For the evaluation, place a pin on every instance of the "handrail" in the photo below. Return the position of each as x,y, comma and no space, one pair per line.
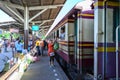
117,52
7,74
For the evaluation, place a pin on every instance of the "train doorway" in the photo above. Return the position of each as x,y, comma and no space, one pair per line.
76,42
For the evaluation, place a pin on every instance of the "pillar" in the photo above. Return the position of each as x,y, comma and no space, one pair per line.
26,27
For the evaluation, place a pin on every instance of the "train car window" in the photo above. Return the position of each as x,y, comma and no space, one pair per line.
57,33
54,35
63,28
116,22
62,34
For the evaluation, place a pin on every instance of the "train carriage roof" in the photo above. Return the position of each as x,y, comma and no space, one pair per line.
69,6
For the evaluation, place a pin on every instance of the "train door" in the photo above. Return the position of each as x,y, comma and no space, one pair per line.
75,43
57,34
116,38
104,41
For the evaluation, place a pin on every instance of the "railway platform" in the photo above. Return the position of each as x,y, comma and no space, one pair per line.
41,70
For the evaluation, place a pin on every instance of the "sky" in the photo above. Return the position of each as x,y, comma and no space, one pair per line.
5,17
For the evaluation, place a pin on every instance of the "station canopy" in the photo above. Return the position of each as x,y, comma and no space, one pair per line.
41,12
68,6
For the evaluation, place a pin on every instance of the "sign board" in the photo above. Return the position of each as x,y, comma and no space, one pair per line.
35,27
14,30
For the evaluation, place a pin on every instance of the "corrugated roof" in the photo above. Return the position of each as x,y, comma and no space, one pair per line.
69,6
49,14
64,11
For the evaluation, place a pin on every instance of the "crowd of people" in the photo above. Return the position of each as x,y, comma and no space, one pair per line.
50,46
41,46
35,48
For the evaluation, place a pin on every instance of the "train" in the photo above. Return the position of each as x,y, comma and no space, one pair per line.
91,47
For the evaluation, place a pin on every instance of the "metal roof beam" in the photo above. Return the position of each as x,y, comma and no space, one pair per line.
15,13
43,21
8,23
44,7
11,5
45,26
37,15
43,29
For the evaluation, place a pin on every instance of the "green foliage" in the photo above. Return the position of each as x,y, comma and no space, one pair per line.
15,35
6,35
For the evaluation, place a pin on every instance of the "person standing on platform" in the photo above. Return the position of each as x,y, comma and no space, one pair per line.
51,53
16,42
19,47
41,47
5,44
30,45
37,44
45,45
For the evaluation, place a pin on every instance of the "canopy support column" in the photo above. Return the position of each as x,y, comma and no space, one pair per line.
26,27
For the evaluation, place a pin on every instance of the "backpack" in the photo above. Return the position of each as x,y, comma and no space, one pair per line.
56,46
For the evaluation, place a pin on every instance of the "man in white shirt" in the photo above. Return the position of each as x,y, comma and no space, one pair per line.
62,35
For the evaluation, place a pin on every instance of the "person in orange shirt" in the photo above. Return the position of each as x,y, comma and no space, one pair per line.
41,47
51,53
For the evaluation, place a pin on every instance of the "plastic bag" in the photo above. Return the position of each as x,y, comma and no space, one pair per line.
56,46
